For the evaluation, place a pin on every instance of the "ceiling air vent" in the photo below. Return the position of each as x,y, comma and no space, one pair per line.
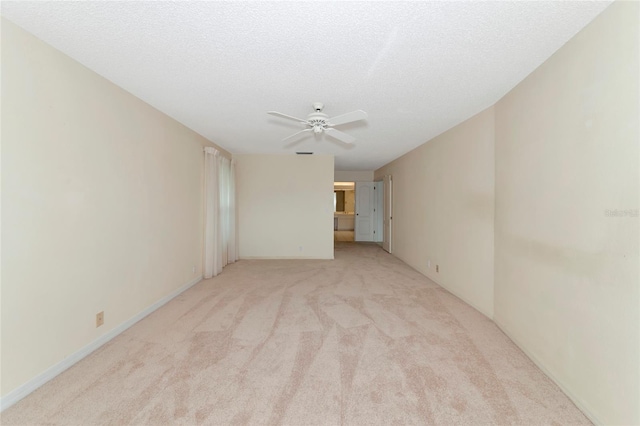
304,153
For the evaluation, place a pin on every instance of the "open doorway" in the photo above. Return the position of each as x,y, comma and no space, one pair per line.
344,206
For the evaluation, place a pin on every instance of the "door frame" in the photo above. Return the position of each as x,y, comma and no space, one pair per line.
388,213
378,189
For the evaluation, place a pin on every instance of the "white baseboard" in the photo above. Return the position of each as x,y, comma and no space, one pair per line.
285,258
452,291
577,401
33,384
459,296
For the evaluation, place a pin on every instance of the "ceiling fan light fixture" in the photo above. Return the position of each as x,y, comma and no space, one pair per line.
319,122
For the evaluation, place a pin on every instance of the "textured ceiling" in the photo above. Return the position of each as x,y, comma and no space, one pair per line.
417,68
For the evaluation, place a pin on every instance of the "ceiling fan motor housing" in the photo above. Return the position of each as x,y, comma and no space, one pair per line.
317,121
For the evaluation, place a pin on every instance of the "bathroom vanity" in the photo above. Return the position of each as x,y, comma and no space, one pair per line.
343,221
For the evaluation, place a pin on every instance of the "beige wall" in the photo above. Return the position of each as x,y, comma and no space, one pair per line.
101,206
443,209
285,205
353,176
567,270
567,275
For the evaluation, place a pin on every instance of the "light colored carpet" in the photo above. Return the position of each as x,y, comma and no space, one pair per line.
361,340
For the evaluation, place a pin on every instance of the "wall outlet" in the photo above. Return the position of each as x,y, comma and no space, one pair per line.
428,264
99,319
437,268
300,249
193,269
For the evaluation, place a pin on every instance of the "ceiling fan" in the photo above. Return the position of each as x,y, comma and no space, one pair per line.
319,122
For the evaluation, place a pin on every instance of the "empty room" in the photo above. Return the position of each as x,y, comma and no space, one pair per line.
320,213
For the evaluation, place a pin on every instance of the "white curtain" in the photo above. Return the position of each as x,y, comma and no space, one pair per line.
220,246
212,235
233,230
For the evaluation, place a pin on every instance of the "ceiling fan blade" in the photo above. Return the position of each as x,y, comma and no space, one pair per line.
347,118
279,114
296,134
339,135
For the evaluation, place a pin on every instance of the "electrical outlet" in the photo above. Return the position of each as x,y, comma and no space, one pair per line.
300,248
99,319
437,268
428,264
193,269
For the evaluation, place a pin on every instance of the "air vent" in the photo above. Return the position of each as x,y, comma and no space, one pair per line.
304,153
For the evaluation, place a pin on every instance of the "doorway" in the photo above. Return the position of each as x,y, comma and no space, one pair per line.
344,199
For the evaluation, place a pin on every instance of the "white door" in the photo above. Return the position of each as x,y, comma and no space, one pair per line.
364,211
378,216
388,213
